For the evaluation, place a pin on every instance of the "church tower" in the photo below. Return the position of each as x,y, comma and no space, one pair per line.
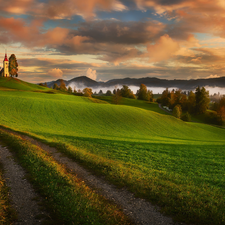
6,67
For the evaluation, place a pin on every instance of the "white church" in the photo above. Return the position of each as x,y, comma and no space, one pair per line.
5,70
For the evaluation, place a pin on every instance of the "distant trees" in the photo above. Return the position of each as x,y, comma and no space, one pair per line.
13,66
69,90
177,111
220,110
43,85
87,92
108,93
191,102
116,98
144,94
202,100
55,86
61,87
126,92
197,102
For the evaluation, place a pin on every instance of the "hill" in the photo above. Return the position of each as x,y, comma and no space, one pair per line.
16,84
178,165
83,81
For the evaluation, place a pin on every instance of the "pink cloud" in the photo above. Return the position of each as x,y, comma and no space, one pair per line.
163,49
56,73
91,74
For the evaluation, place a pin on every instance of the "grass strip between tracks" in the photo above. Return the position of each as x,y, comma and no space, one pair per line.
67,198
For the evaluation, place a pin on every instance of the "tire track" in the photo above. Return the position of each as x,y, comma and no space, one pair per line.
139,210
22,194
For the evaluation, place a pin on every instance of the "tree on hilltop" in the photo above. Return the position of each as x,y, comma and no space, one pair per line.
13,66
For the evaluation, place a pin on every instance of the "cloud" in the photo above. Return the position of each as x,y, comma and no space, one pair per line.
213,76
163,49
91,74
17,6
56,73
57,9
108,31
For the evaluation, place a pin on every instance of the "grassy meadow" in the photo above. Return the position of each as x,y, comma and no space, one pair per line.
177,165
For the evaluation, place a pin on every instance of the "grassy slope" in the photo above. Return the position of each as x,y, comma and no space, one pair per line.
67,198
16,84
135,103
50,115
158,156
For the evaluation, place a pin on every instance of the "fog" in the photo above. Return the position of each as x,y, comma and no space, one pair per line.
155,90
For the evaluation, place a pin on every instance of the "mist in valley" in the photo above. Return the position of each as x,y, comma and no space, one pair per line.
155,90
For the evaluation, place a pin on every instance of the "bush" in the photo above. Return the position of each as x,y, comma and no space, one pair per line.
213,118
177,111
186,117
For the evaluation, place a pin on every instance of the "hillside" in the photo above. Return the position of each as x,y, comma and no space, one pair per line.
14,83
156,156
79,117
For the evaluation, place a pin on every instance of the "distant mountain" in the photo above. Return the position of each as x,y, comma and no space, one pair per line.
79,82
83,81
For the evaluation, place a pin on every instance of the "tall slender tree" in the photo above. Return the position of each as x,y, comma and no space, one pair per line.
202,100
13,66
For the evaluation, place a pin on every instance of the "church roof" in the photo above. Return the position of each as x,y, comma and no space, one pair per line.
5,58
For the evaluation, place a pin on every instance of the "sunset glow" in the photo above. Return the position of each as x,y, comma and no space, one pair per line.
172,39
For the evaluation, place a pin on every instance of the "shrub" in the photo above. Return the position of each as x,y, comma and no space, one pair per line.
177,111
186,117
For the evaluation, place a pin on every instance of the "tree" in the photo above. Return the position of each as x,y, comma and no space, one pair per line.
87,92
13,66
144,94
100,92
177,111
62,86
221,110
70,90
149,96
108,93
186,117
126,92
55,86
117,97
202,100
191,102
165,98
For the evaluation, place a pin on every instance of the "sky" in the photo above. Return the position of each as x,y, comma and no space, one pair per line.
111,39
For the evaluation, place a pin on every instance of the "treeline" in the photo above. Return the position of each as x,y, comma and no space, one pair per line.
87,92
194,103
182,104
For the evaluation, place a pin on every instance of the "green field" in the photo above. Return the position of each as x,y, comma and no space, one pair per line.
178,165
153,106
